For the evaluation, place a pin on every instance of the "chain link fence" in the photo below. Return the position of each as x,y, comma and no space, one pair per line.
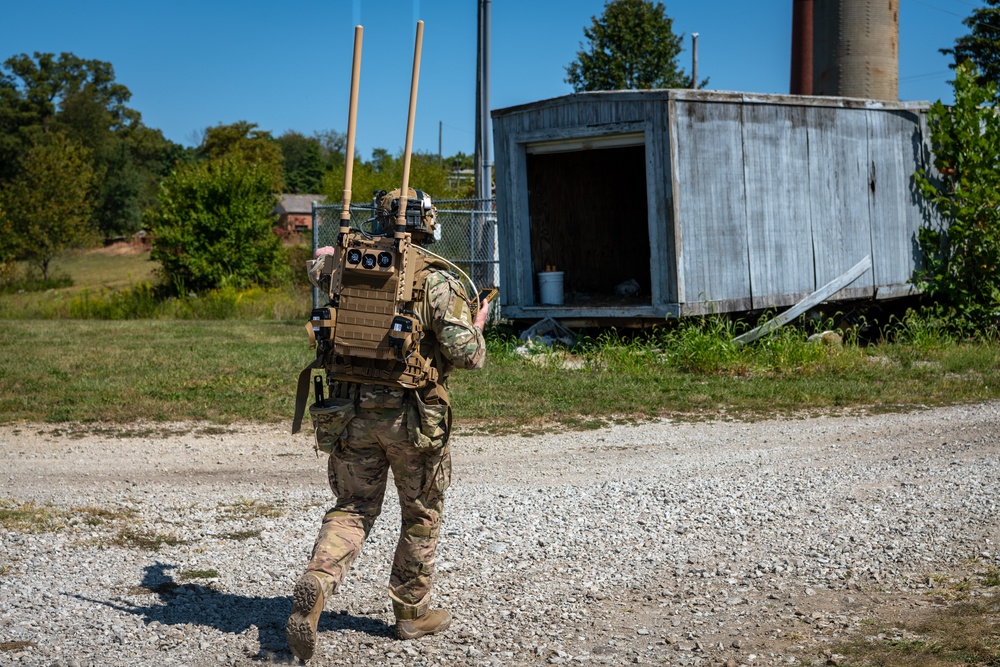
468,235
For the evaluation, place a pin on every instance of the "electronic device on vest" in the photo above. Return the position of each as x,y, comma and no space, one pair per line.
370,330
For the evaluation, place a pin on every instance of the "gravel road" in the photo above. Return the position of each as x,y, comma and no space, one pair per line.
710,543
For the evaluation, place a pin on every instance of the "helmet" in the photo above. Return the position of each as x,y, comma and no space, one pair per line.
421,215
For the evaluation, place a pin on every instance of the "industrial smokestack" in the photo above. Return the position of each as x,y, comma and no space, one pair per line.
802,47
856,48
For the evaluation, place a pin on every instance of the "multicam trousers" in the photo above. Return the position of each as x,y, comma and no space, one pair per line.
377,440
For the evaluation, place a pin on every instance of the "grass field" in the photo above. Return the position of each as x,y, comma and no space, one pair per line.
113,267
235,370
185,360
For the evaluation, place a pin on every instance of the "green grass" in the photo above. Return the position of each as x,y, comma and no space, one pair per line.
244,509
92,353
132,537
106,284
236,370
31,517
188,575
123,371
963,633
694,372
105,269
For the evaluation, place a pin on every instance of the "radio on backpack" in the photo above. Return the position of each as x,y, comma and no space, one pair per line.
371,331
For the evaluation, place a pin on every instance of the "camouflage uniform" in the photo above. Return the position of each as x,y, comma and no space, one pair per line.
385,433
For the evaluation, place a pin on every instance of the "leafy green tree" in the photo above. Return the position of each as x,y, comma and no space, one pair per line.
632,46
385,172
8,248
963,253
117,203
244,141
215,227
982,45
303,162
332,145
48,203
153,158
43,93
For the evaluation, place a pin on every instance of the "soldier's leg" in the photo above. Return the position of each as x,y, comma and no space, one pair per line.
357,471
421,478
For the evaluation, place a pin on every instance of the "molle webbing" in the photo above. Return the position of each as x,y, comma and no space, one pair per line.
390,373
376,335
364,316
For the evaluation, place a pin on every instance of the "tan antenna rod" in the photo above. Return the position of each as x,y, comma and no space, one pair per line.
401,217
352,121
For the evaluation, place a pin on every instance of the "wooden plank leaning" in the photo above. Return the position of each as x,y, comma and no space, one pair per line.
817,297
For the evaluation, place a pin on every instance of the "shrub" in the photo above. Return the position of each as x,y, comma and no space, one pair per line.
963,253
214,227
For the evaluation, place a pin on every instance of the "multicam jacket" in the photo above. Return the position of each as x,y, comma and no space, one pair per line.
445,312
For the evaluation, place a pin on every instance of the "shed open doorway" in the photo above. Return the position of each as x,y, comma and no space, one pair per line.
589,218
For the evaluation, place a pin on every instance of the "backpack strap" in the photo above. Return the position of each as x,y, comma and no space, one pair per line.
302,393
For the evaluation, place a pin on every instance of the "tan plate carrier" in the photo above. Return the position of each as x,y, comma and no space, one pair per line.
371,332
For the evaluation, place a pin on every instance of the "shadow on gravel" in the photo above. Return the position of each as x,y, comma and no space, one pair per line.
180,604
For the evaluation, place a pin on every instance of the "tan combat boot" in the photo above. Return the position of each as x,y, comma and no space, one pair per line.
434,620
308,601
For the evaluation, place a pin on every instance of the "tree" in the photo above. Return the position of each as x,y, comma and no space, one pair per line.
632,46
47,204
332,146
245,142
385,172
215,227
982,45
43,93
303,162
963,255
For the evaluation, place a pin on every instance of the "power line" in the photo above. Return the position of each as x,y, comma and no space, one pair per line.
922,77
945,11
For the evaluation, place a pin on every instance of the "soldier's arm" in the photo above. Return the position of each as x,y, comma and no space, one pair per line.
461,341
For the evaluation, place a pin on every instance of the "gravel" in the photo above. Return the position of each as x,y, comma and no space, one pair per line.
713,543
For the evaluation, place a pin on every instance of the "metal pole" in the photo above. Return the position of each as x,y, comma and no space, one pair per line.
408,148
694,60
315,240
481,236
487,157
352,122
440,134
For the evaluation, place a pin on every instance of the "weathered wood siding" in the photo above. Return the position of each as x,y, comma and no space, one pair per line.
894,144
839,216
754,201
711,206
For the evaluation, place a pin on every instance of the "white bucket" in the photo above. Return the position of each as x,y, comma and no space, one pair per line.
550,287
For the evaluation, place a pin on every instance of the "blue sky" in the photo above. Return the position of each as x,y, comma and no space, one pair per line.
191,64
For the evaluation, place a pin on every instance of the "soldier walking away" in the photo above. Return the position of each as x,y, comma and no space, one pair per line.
373,420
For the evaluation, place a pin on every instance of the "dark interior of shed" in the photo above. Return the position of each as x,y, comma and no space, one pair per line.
589,220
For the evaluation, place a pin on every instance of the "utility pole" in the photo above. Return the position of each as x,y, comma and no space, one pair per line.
694,60
483,162
483,238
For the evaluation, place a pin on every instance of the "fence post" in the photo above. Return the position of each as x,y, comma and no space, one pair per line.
315,246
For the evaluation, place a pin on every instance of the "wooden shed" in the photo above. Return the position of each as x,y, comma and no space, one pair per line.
708,201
